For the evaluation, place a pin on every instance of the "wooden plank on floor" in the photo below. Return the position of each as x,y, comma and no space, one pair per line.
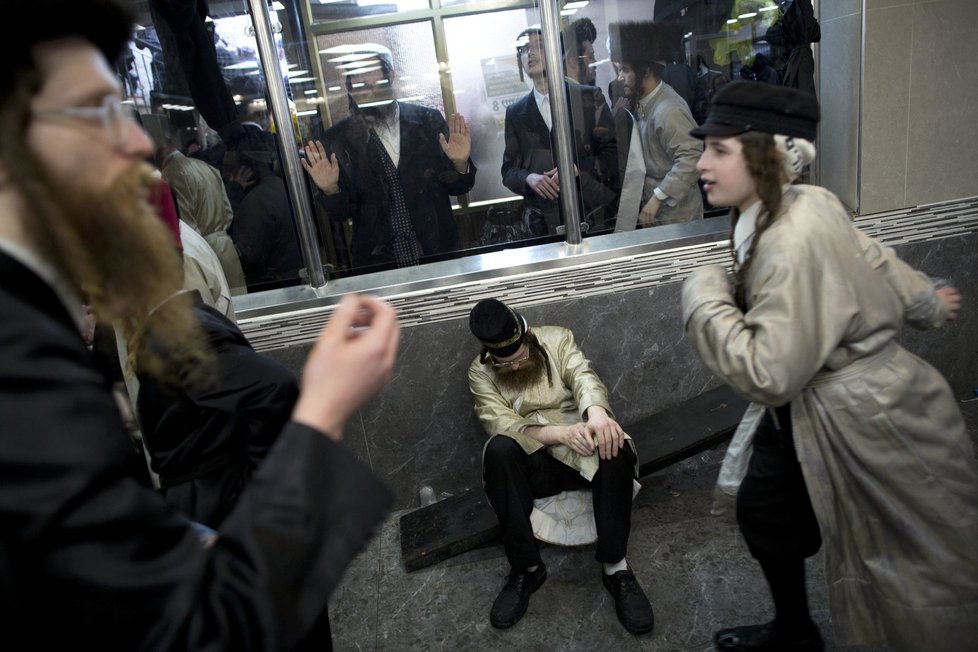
465,522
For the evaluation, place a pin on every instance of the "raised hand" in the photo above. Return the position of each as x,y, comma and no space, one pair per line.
353,358
458,145
323,170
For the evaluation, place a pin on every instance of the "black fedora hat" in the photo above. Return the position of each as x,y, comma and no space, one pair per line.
743,106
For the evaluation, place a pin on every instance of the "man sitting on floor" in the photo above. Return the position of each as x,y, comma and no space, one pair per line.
551,430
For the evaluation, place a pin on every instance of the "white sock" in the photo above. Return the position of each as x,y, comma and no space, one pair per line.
611,569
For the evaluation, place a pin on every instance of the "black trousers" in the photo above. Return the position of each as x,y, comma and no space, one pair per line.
513,479
774,510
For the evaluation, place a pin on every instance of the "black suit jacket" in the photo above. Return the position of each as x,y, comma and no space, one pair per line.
205,443
528,150
427,178
84,544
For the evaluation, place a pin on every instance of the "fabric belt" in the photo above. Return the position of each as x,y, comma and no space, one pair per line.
855,368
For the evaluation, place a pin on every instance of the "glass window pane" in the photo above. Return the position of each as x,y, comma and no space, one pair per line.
333,10
199,91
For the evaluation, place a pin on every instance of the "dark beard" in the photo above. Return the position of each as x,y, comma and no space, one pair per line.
111,245
529,373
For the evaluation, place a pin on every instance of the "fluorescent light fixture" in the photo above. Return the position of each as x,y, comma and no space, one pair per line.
771,8
312,92
353,65
296,72
358,85
688,35
312,112
731,21
360,56
747,15
360,71
301,80
333,89
382,81
367,105
580,4
568,12
599,63
244,65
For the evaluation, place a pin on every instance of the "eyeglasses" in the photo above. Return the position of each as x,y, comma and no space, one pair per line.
111,114
520,360
523,49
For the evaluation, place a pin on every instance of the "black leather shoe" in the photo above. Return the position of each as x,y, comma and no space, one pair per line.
632,606
512,601
765,638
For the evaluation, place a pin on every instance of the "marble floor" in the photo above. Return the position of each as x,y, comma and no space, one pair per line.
693,565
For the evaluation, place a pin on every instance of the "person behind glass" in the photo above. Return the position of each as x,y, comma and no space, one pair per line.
579,59
204,205
856,442
263,230
206,440
391,167
87,554
550,429
670,194
529,167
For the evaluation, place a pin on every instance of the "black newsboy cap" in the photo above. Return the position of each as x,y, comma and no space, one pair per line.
500,328
743,106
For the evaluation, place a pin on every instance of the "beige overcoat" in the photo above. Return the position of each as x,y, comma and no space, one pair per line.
881,442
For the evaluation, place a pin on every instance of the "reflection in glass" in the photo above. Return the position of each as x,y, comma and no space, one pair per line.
330,10
222,105
199,91
388,167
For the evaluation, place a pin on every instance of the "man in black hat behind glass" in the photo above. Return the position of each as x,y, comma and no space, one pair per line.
551,430
670,193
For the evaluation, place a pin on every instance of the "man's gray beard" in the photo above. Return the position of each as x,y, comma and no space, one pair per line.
529,373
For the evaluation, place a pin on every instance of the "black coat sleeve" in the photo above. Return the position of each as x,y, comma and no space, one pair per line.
107,562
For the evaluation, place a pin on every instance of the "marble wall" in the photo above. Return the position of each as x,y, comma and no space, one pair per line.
903,133
838,69
422,430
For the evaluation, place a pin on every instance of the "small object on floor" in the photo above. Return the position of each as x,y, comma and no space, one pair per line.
631,604
512,601
765,638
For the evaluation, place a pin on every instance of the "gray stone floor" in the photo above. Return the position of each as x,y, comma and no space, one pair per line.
693,565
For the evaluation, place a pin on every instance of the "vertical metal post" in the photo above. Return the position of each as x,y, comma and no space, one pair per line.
293,171
560,111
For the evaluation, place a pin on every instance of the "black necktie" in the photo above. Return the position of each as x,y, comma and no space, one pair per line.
406,247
